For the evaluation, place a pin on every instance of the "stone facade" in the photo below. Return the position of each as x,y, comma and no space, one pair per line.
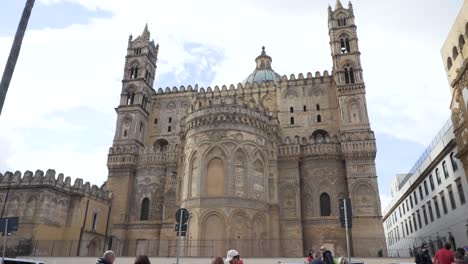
265,160
55,217
260,165
454,52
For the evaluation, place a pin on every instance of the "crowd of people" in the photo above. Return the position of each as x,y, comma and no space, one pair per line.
324,256
442,256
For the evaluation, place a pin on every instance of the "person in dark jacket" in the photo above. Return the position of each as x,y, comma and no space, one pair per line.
327,256
316,259
107,258
423,257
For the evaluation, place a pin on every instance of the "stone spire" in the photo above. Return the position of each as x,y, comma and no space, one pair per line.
146,33
338,4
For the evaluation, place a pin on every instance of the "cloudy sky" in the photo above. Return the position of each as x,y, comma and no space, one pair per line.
59,111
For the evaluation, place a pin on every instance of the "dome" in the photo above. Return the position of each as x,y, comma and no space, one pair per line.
263,71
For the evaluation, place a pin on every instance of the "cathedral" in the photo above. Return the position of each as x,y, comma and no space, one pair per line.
260,165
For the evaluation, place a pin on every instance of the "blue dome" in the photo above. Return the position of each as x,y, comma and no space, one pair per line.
263,72
262,75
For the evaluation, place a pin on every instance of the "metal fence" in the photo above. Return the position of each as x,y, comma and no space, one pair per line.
364,247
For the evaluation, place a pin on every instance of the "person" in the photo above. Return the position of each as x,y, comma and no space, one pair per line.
107,258
423,257
217,260
460,257
326,255
316,258
343,260
444,255
142,260
310,258
232,256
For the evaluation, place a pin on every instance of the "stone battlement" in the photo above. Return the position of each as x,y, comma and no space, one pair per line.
247,88
49,180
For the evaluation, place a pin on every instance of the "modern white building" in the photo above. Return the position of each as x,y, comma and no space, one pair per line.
429,203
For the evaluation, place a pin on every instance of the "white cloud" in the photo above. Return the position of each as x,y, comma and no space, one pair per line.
81,66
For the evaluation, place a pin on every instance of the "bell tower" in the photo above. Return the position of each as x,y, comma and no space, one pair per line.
357,139
133,113
347,68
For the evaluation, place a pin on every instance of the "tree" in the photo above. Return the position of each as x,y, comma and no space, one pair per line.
14,52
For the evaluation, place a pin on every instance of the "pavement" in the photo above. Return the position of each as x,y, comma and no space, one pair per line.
193,260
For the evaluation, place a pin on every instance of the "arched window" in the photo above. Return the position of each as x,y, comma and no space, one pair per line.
144,210
130,98
161,144
349,74
454,53
291,120
291,109
439,181
345,47
133,72
461,42
444,167
453,161
449,63
169,129
319,119
342,21
325,209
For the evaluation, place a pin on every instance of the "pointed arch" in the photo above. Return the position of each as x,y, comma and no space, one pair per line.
194,178
349,74
461,42
325,206
240,172
144,212
449,63
215,177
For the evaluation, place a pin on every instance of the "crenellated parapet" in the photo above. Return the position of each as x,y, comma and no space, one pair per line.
39,179
247,88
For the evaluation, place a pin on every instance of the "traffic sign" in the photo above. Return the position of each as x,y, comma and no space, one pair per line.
181,229
182,215
12,225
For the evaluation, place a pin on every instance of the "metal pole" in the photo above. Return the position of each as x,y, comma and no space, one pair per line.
177,235
346,226
5,239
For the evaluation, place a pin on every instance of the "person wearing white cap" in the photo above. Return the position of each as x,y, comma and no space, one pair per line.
232,256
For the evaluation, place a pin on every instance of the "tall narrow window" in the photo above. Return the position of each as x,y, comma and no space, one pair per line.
460,190
449,63
454,53
349,74
415,198
317,107
141,127
436,207
439,181
420,192
319,119
344,45
170,120
325,209
291,109
130,98
425,188
305,108
429,208
144,210
419,218
410,225
414,222
461,42
399,209
451,198
444,203
431,181
411,201
155,121
95,217
444,167
453,161
291,120
424,214
403,229
169,129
